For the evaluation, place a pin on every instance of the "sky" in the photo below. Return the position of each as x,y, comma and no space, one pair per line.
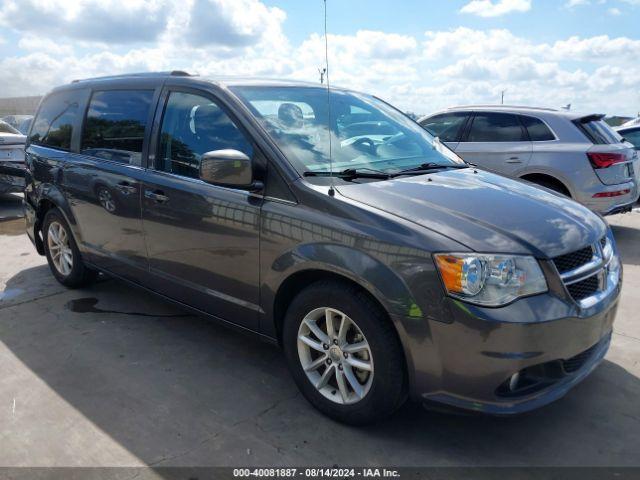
420,55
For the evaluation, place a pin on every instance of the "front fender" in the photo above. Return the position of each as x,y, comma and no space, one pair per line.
383,283
358,266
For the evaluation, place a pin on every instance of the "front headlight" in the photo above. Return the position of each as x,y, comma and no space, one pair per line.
490,280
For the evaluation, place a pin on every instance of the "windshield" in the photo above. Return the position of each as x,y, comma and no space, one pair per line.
366,133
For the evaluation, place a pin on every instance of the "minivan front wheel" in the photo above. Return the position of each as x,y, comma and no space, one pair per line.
62,252
344,353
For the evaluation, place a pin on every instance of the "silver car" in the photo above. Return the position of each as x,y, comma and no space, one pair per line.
577,155
12,167
631,134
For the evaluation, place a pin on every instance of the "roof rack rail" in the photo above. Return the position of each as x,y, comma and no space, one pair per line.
173,73
489,105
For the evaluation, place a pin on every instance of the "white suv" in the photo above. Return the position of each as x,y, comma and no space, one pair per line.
577,155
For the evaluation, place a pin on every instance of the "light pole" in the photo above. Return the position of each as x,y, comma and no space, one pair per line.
502,98
322,71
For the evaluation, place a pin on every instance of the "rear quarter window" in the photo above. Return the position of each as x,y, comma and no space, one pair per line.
56,119
537,129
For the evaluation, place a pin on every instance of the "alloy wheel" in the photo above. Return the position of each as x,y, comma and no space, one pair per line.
335,355
106,200
59,248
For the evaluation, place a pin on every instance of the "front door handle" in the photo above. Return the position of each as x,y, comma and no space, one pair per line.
514,160
157,195
126,187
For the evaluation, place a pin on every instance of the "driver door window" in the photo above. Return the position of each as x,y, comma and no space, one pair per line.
193,125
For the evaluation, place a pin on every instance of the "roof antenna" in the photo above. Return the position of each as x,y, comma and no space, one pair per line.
332,190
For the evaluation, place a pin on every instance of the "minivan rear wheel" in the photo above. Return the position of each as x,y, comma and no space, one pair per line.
344,353
62,252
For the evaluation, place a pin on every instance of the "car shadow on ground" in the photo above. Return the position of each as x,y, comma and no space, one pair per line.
628,240
176,389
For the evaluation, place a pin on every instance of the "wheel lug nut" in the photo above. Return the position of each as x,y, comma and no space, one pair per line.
335,341
346,355
340,367
325,346
328,361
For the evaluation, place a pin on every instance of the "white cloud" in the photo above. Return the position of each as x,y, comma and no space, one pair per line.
420,74
232,23
615,12
598,48
110,21
203,23
465,41
35,43
576,3
495,8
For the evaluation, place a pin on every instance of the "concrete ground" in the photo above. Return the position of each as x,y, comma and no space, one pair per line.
113,376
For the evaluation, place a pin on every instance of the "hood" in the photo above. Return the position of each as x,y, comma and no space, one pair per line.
12,139
485,212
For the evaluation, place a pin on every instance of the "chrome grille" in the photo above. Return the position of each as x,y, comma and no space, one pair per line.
586,274
584,288
573,260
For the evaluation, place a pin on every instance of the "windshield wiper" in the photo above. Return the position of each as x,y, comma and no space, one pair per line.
351,173
426,167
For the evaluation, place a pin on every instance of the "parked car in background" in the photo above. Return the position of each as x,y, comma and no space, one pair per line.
577,155
333,224
15,120
631,134
12,167
25,124
631,123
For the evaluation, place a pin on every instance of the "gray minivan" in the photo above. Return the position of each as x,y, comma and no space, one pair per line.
328,222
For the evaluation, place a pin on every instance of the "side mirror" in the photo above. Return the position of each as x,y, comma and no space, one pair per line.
230,168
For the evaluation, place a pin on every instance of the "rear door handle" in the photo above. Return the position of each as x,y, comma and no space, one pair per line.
157,195
514,160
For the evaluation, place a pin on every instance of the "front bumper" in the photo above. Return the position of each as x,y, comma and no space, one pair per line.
468,361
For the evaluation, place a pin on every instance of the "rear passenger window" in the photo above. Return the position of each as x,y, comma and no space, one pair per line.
115,125
446,126
54,123
496,127
538,131
193,125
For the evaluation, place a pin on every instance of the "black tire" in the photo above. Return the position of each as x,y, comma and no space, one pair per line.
388,389
80,275
555,186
